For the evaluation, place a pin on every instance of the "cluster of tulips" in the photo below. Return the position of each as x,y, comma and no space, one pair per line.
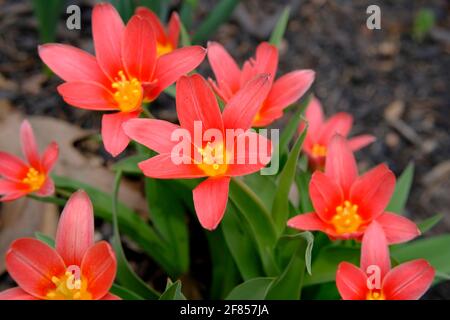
132,66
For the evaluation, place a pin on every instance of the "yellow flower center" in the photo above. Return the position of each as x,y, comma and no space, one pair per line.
163,48
214,159
346,219
319,150
375,295
128,93
69,288
34,179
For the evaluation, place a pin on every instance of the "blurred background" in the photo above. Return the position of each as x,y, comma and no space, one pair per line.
394,81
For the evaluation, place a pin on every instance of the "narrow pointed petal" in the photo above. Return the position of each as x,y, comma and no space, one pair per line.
351,282
341,124
314,116
11,190
174,29
139,49
114,138
210,201
154,21
398,229
32,264
266,59
72,64
152,133
225,69
374,250
29,146
110,296
162,167
107,31
242,108
361,141
16,294
308,221
47,189
75,232
171,66
325,195
12,167
252,153
372,191
340,163
50,157
99,267
288,89
408,281
13,196
87,95
196,102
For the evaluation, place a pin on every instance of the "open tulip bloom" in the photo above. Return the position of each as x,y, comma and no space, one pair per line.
166,39
126,70
19,178
283,92
320,133
375,280
218,160
346,204
77,269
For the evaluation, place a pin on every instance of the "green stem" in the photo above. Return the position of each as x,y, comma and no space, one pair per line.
147,112
54,200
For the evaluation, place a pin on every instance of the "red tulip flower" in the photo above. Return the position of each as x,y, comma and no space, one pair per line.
230,79
77,269
346,204
375,280
320,132
19,178
166,39
125,71
218,160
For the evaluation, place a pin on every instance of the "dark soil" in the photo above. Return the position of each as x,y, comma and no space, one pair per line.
396,87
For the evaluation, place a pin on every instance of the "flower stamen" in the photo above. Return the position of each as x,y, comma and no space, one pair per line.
346,219
34,179
128,93
214,159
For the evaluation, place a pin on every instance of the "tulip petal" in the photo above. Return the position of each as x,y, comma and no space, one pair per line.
99,268
12,167
325,195
107,31
152,133
341,124
171,66
266,59
50,157
210,201
29,146
287,90
408,281
75,232
340,164
11,190
374,250
154,21
242,108
360,141
87,95
351,282
139,49
398,229
307,221
372,191
72,64
195,101
162,167
32,264
114,138
173,31
224,67
314,116
16,294
251,153
110,296
47,188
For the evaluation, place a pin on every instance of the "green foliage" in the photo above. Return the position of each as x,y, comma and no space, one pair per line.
280,28
47,13
398,199
423,23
